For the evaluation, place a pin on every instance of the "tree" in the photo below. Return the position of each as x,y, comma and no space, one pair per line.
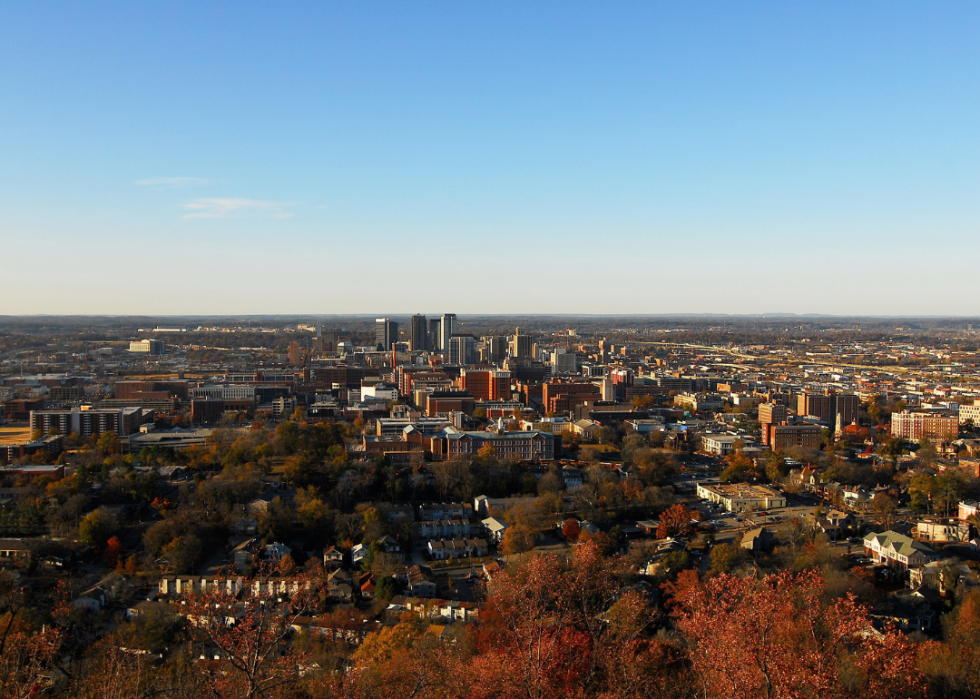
254,656
948,490
113,551
386,588
570,529
518,538
529,646
774,637
96,528
885,506
740,468
108,443
675,521
723,558
29,649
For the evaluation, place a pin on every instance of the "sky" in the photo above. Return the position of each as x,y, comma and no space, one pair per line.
366,157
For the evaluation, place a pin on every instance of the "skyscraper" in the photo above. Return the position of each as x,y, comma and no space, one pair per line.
434,334
496,348
446,331
420,333
462,350
385,333
521,346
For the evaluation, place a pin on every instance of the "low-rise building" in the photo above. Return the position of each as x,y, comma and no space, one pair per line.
718,444
740,497
942,531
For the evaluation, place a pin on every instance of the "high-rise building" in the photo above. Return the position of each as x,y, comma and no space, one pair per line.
420,333
385,333
521,346
435,334
462,350
446,330
772,414
832,408
496,348
563,362
295,353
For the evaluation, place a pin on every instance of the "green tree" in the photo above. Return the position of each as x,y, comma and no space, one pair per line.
723,558
96,528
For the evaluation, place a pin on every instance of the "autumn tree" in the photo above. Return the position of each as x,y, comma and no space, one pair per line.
570,529
248,634
675,521
113,551
30,648
775,637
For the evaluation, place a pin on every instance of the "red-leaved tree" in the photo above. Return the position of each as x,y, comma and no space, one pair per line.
774,638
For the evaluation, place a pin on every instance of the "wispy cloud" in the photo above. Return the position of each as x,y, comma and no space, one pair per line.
232,208
173,182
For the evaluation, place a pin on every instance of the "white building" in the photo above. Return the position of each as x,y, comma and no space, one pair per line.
718,444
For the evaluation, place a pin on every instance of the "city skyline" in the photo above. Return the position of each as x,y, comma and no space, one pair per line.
638,160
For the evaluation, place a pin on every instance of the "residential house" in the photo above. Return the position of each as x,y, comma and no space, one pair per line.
495,529
244,554
572,477
333,558
939,574
419,582
897,550
275,552
13,551
93,599
358,554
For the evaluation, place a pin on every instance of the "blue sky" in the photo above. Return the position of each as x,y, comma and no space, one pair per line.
490,158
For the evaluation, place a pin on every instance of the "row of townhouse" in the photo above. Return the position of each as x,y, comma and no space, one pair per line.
432,511
452,610
447,529
180,585
458,548
897,550
353,632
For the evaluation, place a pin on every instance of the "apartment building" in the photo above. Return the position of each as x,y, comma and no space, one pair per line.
915,426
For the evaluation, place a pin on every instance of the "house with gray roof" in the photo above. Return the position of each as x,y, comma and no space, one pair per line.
897,550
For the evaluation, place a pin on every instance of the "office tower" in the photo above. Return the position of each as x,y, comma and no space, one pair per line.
385,333
521,346
446,330
462,349
562,362
435,334
420,333
496,348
